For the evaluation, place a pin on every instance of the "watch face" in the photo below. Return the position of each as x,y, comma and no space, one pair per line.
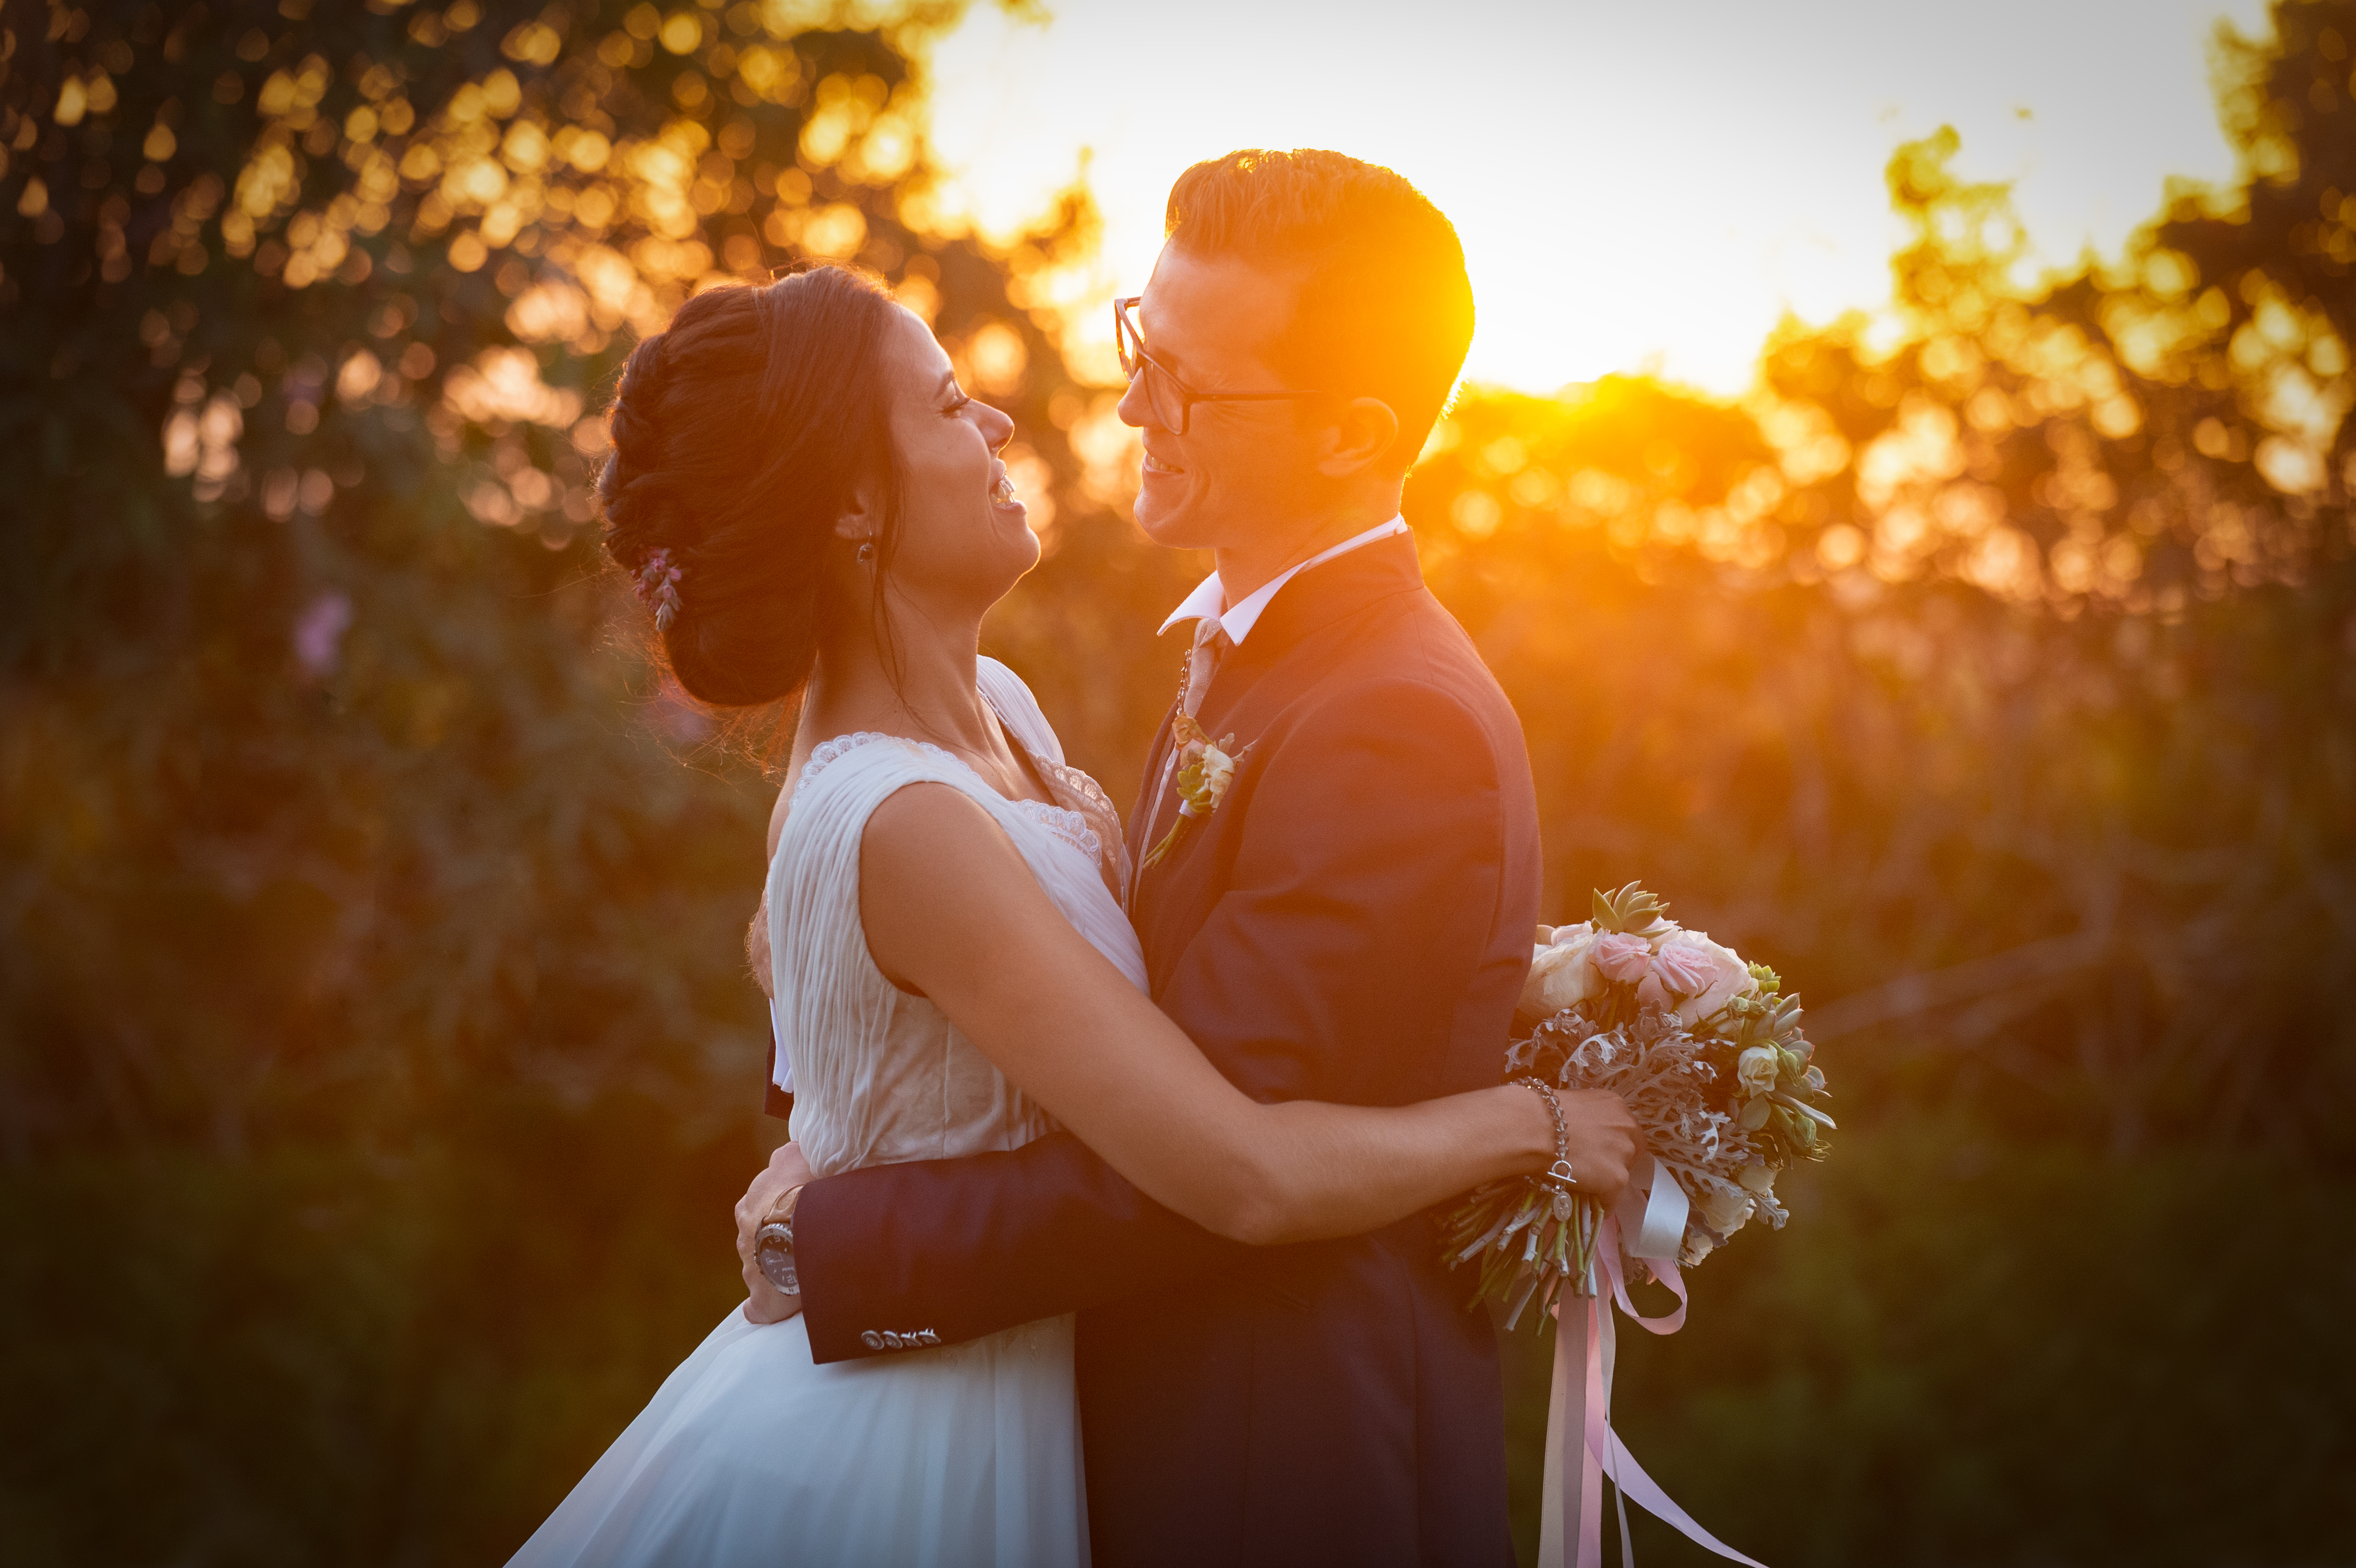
774,1247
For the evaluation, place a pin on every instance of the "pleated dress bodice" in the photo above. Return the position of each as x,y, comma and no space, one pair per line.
880,1076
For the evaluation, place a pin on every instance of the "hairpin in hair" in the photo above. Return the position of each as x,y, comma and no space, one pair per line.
658,585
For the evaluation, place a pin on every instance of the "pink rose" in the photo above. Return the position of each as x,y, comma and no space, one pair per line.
1679,968
1705,975
1621,957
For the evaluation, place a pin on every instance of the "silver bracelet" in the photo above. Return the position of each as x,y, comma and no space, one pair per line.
1558,1175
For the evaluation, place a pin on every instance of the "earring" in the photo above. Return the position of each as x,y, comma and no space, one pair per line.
867,552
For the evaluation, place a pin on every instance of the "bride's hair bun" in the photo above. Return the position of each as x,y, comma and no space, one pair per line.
740,434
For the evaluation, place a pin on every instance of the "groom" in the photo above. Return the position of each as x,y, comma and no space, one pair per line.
1351,923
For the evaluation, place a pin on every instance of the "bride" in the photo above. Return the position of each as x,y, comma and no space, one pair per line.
811,506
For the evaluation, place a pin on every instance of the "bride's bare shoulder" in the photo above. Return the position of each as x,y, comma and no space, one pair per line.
930,822
941,886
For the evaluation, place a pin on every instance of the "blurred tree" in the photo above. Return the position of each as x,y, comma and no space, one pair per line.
357,901
2017,656
1998,679
286,718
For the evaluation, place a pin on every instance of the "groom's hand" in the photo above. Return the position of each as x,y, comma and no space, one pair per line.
786,1170
1603,1141
757,947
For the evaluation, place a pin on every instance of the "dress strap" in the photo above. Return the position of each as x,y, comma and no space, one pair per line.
1018,709
1079,795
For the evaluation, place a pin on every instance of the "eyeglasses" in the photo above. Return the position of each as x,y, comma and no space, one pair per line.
1169,398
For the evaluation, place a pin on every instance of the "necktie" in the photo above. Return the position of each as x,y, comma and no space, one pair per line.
1202,663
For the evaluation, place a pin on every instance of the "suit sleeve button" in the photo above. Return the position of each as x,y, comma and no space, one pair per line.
872,1339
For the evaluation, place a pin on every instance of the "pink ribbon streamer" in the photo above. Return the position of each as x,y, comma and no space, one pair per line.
1570,1535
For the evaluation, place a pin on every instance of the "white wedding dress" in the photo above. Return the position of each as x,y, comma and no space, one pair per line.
750,1453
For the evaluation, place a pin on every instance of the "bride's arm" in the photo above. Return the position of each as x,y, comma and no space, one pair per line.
951,911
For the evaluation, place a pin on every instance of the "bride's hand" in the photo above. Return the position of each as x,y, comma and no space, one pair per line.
756,947
1603,1141
786,1170
756,936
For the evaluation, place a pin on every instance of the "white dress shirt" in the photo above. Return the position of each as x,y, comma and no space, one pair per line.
1210,597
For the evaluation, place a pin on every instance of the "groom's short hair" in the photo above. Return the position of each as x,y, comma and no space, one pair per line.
1384,308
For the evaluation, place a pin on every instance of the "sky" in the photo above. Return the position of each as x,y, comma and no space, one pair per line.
1640,185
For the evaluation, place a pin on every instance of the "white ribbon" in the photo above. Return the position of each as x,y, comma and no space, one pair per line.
1570,1516
1654,1208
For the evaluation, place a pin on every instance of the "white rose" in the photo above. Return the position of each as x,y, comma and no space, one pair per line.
1756,1069
1725,1212
1719,970
1218,769
1560,976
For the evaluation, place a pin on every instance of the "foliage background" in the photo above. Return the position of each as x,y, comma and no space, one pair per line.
376,1062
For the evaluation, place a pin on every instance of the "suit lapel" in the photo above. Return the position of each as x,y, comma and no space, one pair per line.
1306,606
1302,608
1137,835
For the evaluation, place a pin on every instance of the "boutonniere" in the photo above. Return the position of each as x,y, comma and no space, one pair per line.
1206,768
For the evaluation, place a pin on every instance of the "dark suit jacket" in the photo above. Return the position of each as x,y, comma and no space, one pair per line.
1352,924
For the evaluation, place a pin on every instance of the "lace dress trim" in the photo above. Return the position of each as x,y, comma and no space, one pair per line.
1071,827
1068,826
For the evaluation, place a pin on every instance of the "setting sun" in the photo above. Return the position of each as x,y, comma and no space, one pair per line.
1637,186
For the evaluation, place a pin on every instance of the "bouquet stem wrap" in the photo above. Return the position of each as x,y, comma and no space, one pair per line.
1581,1448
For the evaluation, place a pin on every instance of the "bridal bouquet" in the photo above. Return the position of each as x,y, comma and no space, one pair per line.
1708,1053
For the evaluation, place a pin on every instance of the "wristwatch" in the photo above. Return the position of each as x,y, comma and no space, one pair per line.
773,1244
